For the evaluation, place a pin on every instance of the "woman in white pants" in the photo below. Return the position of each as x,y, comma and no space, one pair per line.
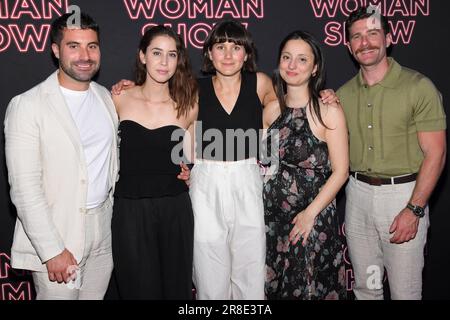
226,185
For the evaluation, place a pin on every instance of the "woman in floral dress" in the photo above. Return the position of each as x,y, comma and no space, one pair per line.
304,248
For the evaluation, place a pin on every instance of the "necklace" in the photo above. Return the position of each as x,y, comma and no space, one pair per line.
295,105
150,100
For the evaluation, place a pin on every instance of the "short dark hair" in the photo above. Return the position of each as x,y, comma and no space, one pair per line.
232,31
59,24
364,13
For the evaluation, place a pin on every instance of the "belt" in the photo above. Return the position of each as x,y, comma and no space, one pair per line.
374,181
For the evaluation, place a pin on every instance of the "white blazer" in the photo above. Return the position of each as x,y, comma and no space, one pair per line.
47,173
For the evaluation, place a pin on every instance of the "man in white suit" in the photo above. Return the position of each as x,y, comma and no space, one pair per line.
60,142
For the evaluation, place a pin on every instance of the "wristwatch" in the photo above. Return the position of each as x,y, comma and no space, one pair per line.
417,210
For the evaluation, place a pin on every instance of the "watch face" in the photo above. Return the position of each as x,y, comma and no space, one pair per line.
419,211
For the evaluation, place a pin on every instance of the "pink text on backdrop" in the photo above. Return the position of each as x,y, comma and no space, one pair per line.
193,9
12,290
28,36
193,33
399,12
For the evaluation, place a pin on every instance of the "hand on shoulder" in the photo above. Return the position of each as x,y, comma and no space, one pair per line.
124,97
332,115
121,86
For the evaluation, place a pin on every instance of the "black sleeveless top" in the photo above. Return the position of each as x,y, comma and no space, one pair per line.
246,118
146,167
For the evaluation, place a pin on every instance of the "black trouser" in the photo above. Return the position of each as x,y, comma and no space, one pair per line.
152,242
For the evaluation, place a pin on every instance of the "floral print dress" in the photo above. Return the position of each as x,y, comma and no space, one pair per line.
316,271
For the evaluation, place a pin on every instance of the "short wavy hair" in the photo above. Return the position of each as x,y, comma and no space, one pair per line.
59,24
364,13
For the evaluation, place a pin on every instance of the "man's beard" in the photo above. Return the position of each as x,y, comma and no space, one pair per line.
78,76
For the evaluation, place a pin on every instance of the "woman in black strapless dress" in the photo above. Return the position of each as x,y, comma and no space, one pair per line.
152,227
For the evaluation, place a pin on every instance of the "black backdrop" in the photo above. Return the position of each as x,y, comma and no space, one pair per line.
420,33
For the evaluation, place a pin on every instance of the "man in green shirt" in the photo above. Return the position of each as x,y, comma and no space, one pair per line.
396,125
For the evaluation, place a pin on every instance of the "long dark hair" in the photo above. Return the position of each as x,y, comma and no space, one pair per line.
183,86
316,82
232,31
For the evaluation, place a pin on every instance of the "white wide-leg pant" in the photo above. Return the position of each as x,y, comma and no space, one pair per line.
229,230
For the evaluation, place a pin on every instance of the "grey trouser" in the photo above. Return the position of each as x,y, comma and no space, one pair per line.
370,211
96,265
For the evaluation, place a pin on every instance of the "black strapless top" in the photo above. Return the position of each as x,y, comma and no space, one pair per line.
146,166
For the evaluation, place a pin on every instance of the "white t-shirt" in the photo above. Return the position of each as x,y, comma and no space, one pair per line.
91,118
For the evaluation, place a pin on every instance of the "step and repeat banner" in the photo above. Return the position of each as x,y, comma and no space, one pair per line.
420,34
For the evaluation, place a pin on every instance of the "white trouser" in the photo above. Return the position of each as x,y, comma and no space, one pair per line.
370,211
96,265
229,230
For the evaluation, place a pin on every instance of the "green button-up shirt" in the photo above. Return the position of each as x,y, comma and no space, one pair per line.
383,120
